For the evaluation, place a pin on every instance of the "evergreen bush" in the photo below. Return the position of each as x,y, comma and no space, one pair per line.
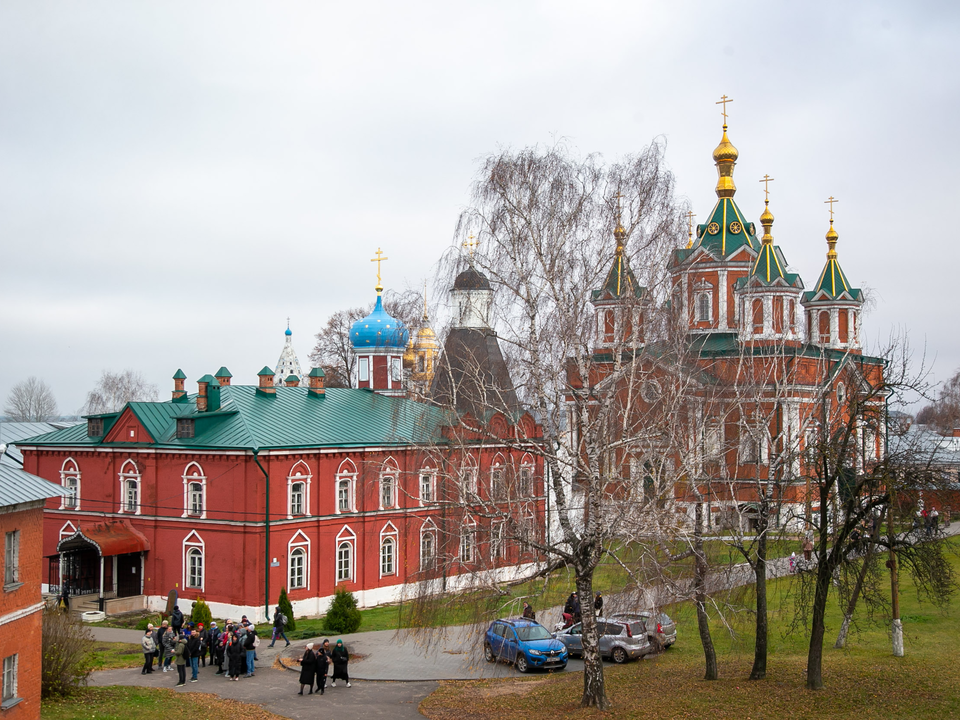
287,609
343,617
201,613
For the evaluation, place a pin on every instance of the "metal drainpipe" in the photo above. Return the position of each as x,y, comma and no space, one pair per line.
266,549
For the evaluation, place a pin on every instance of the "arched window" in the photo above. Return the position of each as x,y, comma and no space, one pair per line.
387,557
70,479
778,314
842,327
298,489
130,488
703,307
428,485
193,562
388,484
469,475
346,487
428,554
194,491
498,485
468,541
824,326
525,483
758,316
298,561
345,547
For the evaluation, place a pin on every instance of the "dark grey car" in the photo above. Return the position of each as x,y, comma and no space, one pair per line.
620,640
661,630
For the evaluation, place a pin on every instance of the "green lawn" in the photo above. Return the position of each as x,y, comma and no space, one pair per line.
107,656
863,681
132,703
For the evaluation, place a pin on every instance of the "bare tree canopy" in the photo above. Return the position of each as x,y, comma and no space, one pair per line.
30,400
548,227
114,390
944,414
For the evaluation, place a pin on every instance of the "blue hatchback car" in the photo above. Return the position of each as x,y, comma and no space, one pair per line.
525,643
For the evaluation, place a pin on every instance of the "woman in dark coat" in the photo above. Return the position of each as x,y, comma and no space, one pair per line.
308,668
323,664
236,657
340,660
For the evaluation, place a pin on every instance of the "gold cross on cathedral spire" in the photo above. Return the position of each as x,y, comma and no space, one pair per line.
723,101
471,244
766,187
379,259
830,201
690,216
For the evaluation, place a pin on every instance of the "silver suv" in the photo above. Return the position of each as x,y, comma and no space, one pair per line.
620,640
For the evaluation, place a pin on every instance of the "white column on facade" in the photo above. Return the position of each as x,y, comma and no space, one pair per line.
834,327
722,301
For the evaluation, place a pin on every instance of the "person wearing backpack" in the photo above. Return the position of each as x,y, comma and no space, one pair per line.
279,625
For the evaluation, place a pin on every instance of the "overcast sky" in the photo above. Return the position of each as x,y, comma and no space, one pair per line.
177,178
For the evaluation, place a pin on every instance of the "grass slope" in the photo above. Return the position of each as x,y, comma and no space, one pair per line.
132,703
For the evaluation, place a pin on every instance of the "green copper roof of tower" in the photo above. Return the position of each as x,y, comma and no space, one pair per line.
832,282
620,282
771,266
726,231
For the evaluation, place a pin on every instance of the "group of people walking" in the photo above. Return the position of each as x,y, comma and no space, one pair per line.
176,644
315,664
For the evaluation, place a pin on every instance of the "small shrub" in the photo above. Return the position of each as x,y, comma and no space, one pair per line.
287,609
201,613
66,659
343,617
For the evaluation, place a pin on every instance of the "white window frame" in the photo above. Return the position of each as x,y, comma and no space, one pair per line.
498,490
192,544
527,486
11,560
9,697
346,473
467,549
70,471
299,544
346,541
469,479
363,369
299,473
389,537
389,479
130,479
193,473
396,370
498,545
703,299
427,480
428,529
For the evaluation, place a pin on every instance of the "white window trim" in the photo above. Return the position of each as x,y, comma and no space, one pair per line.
125,476
498,465
469,480
67,473
197,477
390,534
9,695
469,530
300,472
527,465
299,541
64,532
432,482
196,543
498,544
428,528
363,369
351,476
349,537
390,470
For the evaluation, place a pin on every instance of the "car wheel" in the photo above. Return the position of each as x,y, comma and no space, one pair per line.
521,663
619,655
488,653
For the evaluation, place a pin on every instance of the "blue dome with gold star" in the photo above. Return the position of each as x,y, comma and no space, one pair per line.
379,330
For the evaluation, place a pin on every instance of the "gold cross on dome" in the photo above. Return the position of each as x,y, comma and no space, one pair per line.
471,244
690,216
723,101
766,187
830,202
378,259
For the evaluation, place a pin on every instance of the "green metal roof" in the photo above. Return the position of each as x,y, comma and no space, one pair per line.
832,284
717,234
620,281
179,375
223,372
290,419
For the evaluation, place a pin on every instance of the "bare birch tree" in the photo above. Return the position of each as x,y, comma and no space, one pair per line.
115,389
30,400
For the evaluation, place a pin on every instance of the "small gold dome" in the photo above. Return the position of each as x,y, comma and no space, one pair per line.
832,242
409,355
725,151
767,217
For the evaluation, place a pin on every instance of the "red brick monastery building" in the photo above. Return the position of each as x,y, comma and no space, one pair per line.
233,492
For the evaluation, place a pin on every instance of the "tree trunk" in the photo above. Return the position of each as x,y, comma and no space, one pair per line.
700,599
594,691
817,629
759,671
852,605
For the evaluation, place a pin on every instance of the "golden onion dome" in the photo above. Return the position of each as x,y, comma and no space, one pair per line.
427,338
767,217
409,355
725,151
832,237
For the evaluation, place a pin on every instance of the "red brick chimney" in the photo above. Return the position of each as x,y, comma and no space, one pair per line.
315,382
179,393
266,382
292,381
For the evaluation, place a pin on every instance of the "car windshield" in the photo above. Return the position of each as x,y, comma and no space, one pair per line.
533,632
